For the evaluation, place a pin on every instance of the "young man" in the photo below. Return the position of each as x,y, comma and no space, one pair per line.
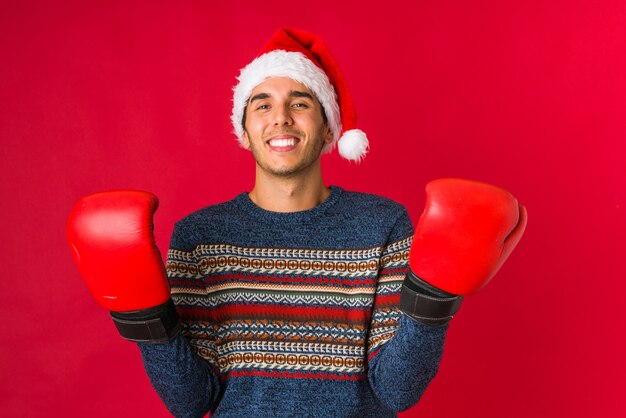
295,298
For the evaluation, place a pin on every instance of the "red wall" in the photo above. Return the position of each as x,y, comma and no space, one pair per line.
527,95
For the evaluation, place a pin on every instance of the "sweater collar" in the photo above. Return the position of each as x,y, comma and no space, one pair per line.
247,206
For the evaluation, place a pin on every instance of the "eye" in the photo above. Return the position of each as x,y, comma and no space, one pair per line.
300,105
263,106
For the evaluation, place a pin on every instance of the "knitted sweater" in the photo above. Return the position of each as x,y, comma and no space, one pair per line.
293,314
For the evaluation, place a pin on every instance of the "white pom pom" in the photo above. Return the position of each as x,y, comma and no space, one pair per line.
353,145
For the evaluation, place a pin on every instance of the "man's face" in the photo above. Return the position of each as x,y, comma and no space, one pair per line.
284,127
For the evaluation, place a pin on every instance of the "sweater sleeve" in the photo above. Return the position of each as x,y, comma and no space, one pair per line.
185,382
182,379
403,355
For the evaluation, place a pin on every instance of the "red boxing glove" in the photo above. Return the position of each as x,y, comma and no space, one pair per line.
466,232
110,235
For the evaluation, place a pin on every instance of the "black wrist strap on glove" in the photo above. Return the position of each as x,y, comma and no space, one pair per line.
425,303
153,325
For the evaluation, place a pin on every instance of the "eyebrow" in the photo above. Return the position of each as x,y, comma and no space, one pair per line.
259,96
293,93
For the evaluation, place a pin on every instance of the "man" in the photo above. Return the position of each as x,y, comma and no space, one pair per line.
295,298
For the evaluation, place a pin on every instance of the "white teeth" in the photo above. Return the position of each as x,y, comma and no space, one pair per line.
283,142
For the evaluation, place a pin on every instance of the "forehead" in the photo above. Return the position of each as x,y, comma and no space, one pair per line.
277,86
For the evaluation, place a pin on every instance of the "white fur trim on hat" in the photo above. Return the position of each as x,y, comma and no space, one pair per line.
294,65
353,145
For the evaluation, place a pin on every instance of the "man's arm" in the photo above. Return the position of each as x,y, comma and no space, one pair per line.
187,383
404,367
403,355
110,236
466,232
184,381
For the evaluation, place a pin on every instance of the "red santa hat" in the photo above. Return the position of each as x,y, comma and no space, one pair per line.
303,56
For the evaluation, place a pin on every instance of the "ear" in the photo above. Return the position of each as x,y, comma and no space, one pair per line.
328,136
245,141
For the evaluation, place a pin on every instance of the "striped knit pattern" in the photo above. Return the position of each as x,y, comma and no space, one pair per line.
293,314
288,312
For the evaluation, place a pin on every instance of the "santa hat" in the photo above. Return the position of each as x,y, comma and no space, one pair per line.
303,56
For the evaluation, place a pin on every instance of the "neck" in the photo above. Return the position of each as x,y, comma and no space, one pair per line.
288,194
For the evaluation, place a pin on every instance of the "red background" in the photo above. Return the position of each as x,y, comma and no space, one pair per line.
527,95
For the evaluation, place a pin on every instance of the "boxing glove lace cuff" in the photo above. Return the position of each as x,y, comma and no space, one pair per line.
426,304
159,324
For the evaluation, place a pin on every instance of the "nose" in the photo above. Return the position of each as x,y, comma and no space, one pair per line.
282,116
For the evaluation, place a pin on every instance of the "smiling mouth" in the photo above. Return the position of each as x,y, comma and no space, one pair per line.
283,143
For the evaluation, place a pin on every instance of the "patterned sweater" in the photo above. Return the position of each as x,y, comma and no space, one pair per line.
293,314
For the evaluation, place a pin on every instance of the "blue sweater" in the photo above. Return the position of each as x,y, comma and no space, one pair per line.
293,314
